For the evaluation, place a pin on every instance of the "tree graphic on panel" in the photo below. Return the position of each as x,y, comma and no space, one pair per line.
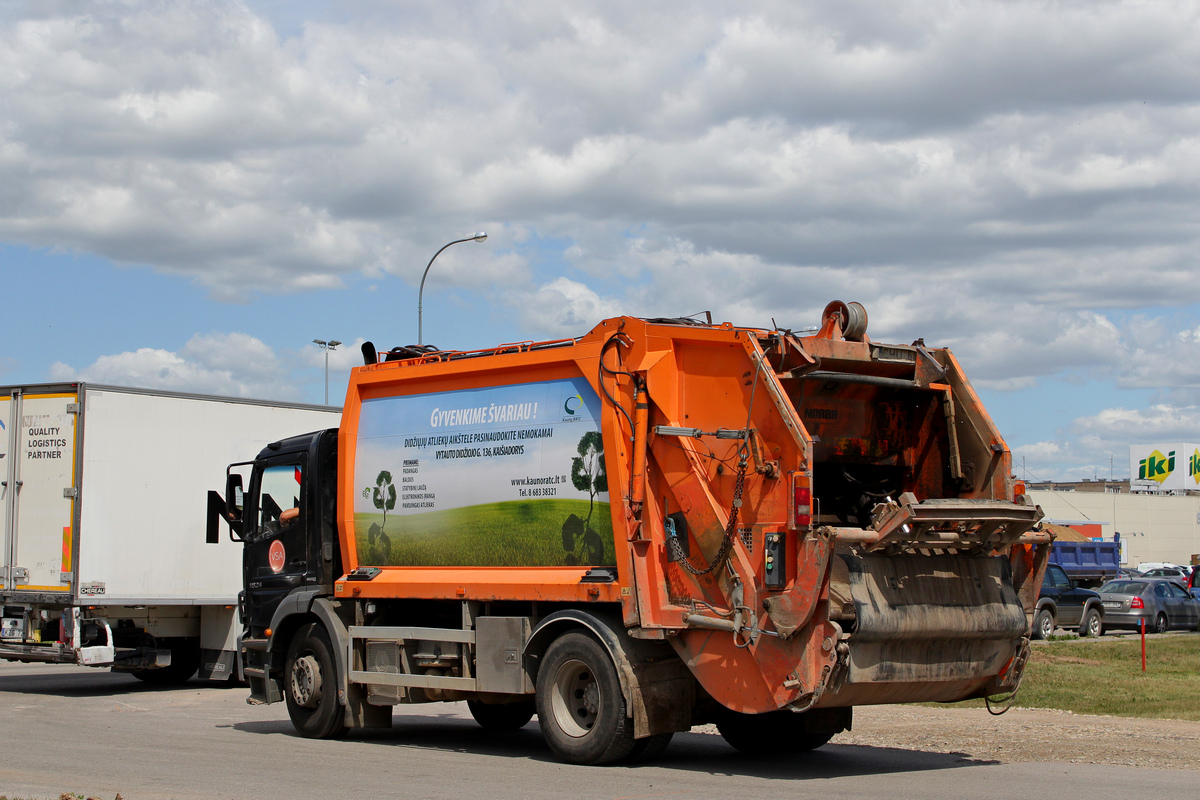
588,474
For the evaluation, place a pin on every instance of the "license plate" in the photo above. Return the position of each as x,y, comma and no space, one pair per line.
1112,604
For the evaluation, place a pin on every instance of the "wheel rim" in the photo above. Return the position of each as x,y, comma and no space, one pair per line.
1160,624
306,681
1047,626
1094,626
575,699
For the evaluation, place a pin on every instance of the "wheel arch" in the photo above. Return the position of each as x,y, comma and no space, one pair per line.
601,626
658,688
300,609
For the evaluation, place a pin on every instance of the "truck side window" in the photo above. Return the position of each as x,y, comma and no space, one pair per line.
278,499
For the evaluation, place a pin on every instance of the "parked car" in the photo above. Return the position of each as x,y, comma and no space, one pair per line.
1175,573
1146,566
1160,602
1062,604
1128,572
1194,582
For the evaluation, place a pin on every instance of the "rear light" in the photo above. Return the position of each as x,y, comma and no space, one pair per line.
802,501
1136,603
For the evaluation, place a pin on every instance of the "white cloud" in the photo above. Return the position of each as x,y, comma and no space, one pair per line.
1017,180
1098,445
563,308
232,364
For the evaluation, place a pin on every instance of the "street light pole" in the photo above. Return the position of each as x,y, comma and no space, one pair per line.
326,346
479,237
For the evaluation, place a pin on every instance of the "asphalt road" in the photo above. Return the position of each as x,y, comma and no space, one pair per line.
70,729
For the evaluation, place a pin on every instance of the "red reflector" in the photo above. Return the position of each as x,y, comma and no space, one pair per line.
803,505
1136,603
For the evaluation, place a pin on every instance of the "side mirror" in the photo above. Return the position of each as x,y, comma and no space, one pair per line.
235,503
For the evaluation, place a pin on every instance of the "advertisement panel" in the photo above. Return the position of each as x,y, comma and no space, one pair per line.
1164,467
496,476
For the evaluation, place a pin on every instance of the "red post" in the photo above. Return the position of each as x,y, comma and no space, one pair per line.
1143,644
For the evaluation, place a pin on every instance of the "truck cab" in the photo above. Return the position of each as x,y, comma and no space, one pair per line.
287,521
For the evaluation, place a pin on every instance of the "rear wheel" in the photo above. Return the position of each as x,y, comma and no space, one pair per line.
502,717
1043,624
310,685
1093,624
580,706
773,733
1160,623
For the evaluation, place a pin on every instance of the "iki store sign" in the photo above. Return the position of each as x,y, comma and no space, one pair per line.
1165,467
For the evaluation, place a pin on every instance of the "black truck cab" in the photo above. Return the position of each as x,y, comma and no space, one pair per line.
288,521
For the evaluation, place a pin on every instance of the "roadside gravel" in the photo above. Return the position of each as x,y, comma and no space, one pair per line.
1023,734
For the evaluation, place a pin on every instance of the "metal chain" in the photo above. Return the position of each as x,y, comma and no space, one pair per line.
676,549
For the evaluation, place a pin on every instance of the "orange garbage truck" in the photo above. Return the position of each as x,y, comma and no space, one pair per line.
658,524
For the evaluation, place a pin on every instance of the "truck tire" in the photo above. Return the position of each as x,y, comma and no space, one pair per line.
1092,625
580,706
1160,623
1043,624
773,733
310,685
502,716
185,661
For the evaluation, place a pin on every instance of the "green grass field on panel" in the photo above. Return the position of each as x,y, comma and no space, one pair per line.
520,533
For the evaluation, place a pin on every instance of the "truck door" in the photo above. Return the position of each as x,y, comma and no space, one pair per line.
276,554
37,460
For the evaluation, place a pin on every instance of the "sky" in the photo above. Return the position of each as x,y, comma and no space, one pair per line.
191,192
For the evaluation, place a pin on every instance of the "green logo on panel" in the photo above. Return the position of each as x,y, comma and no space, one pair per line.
1157,467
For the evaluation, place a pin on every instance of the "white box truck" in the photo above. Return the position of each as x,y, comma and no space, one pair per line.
114,554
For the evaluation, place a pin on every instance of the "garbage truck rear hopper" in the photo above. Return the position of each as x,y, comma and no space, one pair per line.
655,525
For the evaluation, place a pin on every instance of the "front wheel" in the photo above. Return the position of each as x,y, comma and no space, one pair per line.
1043,624
1160,623
1093,624
580,706
310,685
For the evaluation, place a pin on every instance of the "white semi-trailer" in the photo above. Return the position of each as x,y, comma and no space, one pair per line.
113,556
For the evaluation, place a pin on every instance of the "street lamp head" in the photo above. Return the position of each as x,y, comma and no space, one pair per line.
334,344
478,237
319,342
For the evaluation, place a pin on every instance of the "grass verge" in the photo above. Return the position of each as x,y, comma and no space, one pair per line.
1105,677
